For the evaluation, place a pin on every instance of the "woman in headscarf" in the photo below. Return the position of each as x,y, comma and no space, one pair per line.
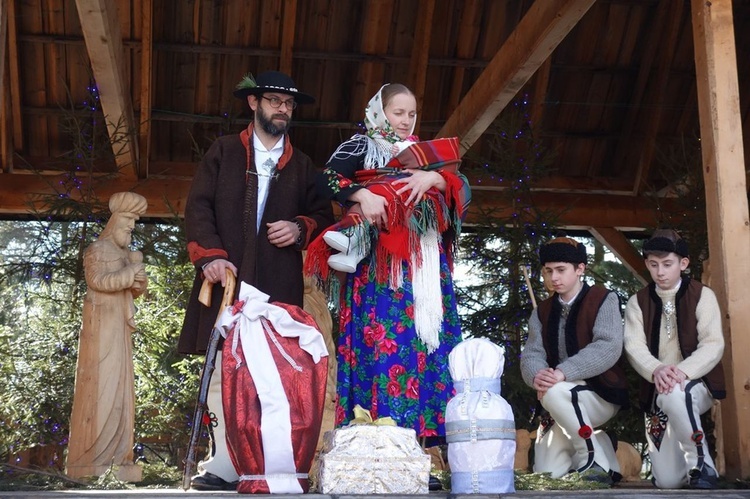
398,318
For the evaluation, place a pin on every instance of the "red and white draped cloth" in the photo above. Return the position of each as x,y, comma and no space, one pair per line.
274,369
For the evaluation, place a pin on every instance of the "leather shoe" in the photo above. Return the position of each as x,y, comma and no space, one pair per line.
435,483
209,481
702,478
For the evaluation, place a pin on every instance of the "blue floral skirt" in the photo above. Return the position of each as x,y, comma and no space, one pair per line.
383,366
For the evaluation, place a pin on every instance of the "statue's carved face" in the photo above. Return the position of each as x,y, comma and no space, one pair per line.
123,228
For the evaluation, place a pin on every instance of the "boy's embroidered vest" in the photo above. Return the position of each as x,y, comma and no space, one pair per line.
611,385
686,301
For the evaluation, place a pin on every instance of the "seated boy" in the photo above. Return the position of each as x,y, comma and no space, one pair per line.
571,360
674,340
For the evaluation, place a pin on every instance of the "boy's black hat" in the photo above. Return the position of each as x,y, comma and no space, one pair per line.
563,249
271,81
666,245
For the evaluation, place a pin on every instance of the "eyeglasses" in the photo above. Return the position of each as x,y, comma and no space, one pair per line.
276,102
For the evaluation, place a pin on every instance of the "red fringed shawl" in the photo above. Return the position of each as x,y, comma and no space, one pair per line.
436,210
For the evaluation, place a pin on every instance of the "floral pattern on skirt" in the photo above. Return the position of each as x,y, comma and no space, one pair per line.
383,365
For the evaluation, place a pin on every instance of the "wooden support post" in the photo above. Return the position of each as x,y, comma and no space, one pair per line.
144,129
726,212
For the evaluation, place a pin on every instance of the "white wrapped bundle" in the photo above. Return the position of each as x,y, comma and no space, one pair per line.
373,459
479,423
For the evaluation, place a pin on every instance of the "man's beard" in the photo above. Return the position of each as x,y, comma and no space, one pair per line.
267,124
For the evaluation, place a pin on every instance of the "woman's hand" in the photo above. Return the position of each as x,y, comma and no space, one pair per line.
373,207
418,183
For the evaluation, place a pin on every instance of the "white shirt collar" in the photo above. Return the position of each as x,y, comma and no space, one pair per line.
572,299
258,145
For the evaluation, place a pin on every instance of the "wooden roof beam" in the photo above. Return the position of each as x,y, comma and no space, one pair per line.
167,196
15,77
101,30
624,250
147,50
420,53
540,31
5,154
576,211
726,212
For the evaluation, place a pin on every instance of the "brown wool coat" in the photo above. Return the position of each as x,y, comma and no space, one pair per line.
221,220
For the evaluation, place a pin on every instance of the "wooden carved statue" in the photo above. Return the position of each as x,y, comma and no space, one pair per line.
101,427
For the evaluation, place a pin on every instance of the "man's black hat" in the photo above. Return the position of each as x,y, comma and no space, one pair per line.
271,81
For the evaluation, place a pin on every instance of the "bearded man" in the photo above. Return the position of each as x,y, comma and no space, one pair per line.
252,209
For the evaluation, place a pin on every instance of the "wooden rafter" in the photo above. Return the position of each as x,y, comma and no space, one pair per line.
15,78
4,153
619,245
378,16
726,212
144,128
543,27
287,35
420,53
656,95
101,31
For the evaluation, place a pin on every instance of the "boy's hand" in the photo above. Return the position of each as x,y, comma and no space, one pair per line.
547,378
666,377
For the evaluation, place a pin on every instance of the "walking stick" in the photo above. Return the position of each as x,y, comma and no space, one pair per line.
525,270
208,368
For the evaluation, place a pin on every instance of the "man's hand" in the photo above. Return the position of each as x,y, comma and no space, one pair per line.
667,377
282,233
215,271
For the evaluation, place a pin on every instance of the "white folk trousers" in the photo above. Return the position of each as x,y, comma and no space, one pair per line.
562,449
683,445
218,461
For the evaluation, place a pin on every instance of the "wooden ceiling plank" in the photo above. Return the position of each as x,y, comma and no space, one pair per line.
726,212
625,144
376,30
15,77
144,126
541,83
288,29
420,54
101,30
656,95
540,31
468,36
270,33
624,250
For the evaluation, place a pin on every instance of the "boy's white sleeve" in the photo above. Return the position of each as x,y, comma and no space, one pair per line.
636,349
710,338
